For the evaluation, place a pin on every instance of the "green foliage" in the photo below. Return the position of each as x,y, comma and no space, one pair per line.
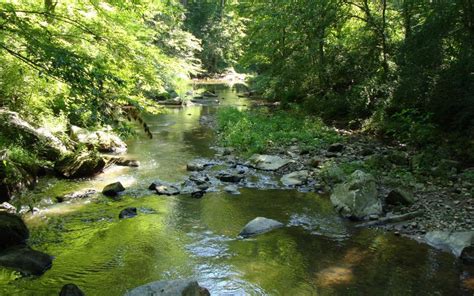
220,29
85,59
405,65
257,131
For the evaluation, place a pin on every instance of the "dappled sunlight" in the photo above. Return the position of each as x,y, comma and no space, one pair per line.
332,276
354,256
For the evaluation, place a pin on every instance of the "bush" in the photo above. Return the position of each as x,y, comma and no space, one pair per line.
258,131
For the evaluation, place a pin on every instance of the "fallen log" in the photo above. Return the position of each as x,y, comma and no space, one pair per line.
392,219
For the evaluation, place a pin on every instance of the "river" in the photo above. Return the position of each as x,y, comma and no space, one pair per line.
317,253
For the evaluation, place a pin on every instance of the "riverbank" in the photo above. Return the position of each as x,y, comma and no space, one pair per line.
441,188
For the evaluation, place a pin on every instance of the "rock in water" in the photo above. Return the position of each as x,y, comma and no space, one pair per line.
259,225
295,178
232,189
185,287
77,195
128,213
71,290
113,189
454,242
400,197
198,165
229,176
13,230
357,197
166,190
82,164
268,162
26,260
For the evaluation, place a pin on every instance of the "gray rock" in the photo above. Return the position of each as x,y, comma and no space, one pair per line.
13,230
232,189
113,189
295,178
357,197
400,197
268,162
128,213
229,176
259,225
26,260
336,147
71,290
453,242
198,164
166,189
184,287
120,161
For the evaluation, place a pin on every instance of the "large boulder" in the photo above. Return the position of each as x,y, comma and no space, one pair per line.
43,141
454,242
295,178
113,189
26,260
81,164
259,225
184,287
104,141
13,230
357,197
268,162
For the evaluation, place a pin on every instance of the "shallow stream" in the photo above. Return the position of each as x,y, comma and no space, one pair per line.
317,253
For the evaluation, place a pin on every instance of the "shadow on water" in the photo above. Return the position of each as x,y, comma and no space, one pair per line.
317,253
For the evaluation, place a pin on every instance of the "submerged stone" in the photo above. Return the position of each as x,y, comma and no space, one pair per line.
71,290
13,230
26,260
128,213
259,225
184,287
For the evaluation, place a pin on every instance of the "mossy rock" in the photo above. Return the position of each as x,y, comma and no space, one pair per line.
80,164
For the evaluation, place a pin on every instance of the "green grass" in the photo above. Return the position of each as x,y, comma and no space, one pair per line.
257,131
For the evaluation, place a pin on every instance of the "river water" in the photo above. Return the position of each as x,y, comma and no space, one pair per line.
317,253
